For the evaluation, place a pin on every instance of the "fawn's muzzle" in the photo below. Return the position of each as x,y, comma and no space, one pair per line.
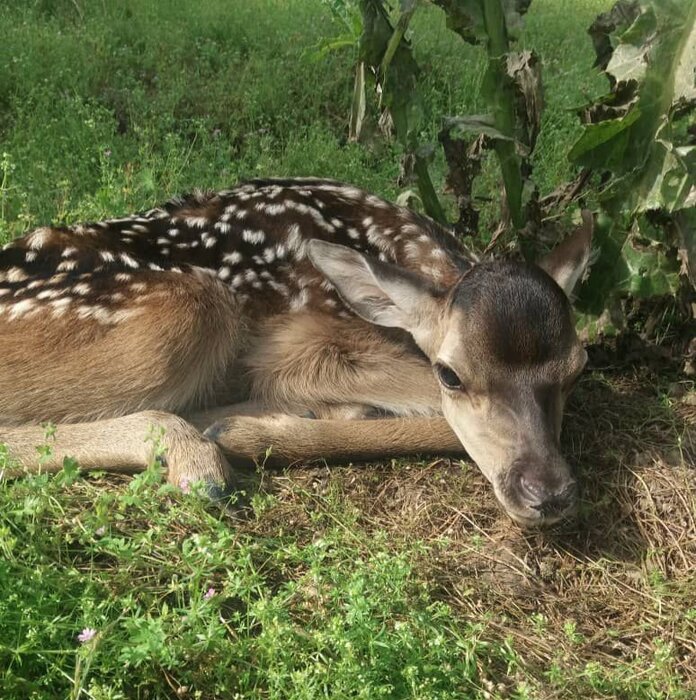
535,495
549,502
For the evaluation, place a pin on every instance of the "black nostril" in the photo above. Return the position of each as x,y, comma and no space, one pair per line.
559,502
545,500
534,491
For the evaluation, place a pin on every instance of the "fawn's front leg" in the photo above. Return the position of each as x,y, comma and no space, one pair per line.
335,368
126,444
281,440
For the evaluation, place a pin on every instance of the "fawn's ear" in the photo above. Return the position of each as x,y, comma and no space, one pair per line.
567,262
380,293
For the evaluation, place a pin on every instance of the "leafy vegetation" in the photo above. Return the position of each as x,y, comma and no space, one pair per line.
639,139
398,580
213,608
109,110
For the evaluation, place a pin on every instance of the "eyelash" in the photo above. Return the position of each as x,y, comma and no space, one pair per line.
448,377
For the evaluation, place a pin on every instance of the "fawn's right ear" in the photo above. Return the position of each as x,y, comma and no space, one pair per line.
378,292
567,262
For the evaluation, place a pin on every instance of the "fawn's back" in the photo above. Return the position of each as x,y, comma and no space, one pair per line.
155,310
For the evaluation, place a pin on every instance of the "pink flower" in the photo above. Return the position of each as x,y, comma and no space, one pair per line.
185,484
87,635
209,594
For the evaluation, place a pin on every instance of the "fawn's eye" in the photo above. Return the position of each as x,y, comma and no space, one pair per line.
448,377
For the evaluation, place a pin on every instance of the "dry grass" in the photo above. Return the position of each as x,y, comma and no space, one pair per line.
589,597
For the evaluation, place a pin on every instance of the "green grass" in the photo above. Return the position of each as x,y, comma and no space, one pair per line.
109,107
181,599
390,581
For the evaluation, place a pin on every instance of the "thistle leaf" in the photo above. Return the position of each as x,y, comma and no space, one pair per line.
641,137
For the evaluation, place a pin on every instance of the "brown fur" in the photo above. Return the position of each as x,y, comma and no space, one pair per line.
172,354
165,318
313,360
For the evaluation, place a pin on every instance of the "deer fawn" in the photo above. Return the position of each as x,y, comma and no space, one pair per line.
275,314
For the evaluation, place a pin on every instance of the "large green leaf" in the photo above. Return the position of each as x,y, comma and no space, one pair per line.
622,15
641,137
672,184
468,17
652,71
603,145
633,261
650,269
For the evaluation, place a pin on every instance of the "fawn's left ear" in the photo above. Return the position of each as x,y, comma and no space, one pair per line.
567,262
380,293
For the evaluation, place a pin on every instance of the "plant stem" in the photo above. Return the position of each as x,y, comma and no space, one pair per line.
431,203
503,106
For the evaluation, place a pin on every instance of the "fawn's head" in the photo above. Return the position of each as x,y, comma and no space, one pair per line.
504,350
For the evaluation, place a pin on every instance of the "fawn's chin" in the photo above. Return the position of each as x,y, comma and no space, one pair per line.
531,519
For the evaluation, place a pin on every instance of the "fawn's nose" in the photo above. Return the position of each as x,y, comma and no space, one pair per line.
549,498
